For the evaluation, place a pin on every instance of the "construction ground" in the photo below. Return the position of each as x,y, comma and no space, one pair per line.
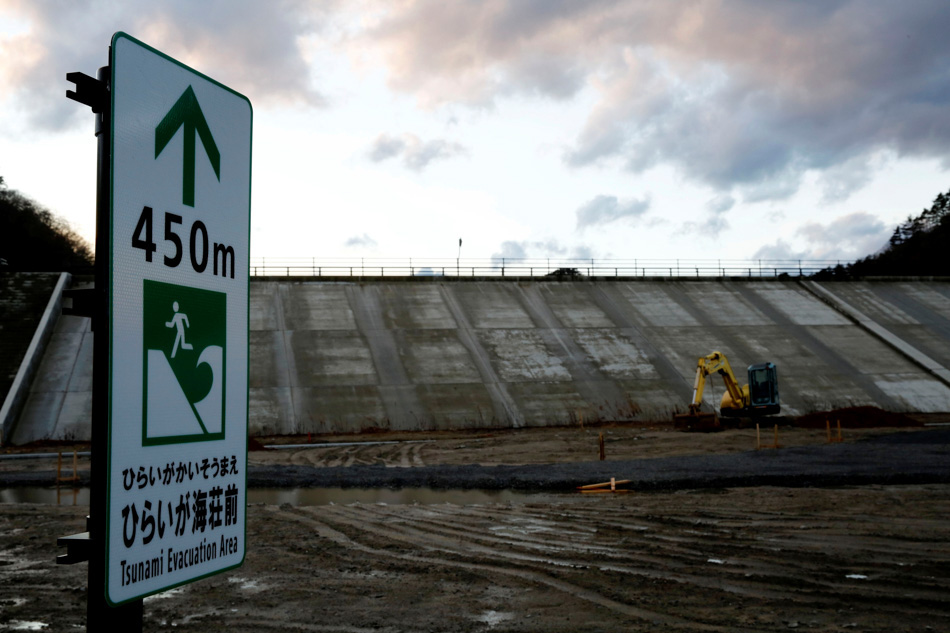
426,441
719,553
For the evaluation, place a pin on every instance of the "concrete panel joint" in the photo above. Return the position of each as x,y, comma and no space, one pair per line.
904,348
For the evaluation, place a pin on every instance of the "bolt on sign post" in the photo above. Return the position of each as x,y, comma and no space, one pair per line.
180,216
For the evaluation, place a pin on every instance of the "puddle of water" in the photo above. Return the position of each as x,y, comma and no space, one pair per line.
17,625
246,584
493,618
12,602
401,496
297,496
50,496
165,595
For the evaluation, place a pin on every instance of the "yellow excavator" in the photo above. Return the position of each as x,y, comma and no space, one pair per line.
758,397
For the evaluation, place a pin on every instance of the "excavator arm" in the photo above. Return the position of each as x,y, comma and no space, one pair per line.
716,362
713,363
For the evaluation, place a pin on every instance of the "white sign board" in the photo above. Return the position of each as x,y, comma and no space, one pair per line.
181,187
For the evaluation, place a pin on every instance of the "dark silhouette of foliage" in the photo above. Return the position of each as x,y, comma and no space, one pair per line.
33,239
917,248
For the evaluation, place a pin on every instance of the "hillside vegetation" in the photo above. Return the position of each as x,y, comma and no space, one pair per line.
918,248
33,239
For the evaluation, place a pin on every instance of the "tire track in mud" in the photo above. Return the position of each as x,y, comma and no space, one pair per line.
868,559
512,547
270,625
29,579
403,455
806,561
809,546
321,523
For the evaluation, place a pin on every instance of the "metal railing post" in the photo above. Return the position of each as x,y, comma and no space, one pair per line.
342,267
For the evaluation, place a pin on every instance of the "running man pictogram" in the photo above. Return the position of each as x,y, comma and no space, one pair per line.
186,372
180,321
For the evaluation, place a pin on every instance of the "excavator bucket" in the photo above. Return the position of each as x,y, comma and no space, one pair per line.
696,422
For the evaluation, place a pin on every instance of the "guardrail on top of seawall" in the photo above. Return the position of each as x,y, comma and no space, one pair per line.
536,267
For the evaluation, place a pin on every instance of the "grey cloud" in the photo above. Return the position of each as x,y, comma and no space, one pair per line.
472,52
779,186
781,249
799,89
849,237
541,249
548,248
854,235
418,157
416,154
721,204
582,252
361,241
715,222
510,250
739,95
710,227
541,75
607,209
386,147
839,181
248,45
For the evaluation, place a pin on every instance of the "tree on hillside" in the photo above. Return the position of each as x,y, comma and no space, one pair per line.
917,248
33,239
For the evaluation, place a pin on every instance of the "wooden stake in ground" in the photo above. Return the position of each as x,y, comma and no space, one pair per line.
758,439
59,468
603,454
606,486
830,438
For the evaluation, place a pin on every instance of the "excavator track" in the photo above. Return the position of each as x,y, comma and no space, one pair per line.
697,422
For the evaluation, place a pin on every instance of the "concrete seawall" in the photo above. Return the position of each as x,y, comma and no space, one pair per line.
335,356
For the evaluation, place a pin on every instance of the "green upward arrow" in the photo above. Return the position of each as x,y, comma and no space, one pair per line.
187,113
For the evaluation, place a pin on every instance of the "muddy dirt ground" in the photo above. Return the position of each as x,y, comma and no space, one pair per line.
490,448
866,558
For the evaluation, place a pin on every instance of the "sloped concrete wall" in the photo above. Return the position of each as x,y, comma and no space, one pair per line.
334,356
29,307
447,354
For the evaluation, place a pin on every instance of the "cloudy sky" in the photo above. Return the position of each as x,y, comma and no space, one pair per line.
534,128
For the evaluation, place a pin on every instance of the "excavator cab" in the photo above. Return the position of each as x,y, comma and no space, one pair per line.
763,389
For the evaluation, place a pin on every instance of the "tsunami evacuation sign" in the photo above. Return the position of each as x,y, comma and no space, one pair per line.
180,217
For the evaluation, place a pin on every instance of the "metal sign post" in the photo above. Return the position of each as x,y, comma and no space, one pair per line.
170,313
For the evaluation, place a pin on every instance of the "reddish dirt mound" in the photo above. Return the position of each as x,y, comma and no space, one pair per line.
254,445
47,446
855,418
